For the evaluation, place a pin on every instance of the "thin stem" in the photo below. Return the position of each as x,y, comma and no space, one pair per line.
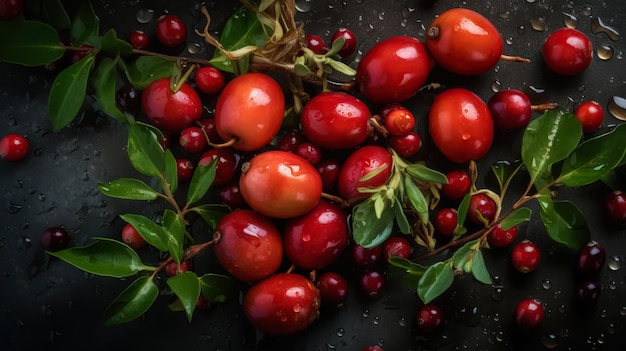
172,58
514,58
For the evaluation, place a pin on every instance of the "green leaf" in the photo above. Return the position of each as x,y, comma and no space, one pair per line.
105,257
31,43
516,217
144,151
68,92
211,213
401,220
462,214
367,230
335,46
548,139
171,172
407,265
462,255
201,181
128,188
423,173
174,227
504,172
150,231
133,302
379,205
435,281
104,81
109,42
564,222
55,15
416,199
217,288
479,268
187,287
86,24
594,158
146,69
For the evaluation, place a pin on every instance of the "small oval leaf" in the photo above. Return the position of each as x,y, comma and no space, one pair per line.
171,170
133,302
186,286
128,188
144,151
174,227
31,43
423,173
201,181
565,223
435,281
217,288
150,231
367,230
105,81
85,24
479,268
516,217
211,213
146,69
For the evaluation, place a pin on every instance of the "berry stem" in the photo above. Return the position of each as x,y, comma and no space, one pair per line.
544,107
514,58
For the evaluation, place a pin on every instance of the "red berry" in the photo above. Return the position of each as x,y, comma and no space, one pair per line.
567,51
399,121
208,126
367,258
139,40
290,141
588,292
499,237
310,152
590,115
406,145
446,221
128,98
209,80
185,169
430,318
528,314
231,196
316,44
349,45
329,171
132,238
459,184
372,348
614,208
483,204
202,303
525,256
396,246
333,289
174,268
55,238
510,109
225,167
591,258
10,9
372,283
171,30
192,140
13,147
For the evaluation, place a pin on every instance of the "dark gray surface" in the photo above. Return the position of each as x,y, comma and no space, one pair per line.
46,304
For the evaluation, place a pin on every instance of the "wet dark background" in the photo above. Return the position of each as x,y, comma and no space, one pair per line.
47,304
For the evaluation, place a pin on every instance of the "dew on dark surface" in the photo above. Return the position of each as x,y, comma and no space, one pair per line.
538,24
570,20
617,107
144,15
598,26
604,52
614,263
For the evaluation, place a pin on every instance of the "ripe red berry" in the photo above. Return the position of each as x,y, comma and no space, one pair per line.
591,258
525,256
446,221
231,196
396,246
316,44
349,45
510,109
615,208
406,145
372,282
483,204
208,126
430,318
399,121
567,51
499,237
55,238
310,152
173,268
10,9
185,169
459,184
367,258
333,289
290,141
13,147
139,40
128,98
171,30
225,167
132,238
590,114
209,80
529,314
372,348
588,292
329,171
192,139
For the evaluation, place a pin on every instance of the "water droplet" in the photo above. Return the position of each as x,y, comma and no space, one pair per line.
617,107
521,29
306,238
570,20
341,332
497,293
496,86
622,311
193,47
366,313
144,15
303,5
612,285
509,40
13,208
562,309
550,341
587,10
604,52
615,263
469,316
547,284
611,328
597,26
538,24
376,320
24,243
402,322
297,308
504,15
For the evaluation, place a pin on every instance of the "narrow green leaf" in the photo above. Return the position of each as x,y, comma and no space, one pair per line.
86,24
416,199
186,286
335,46
128,188
201,181
548,139
479,268
171,173
594,158
31,43
401,220
133,302
174,227
68,92
435,281
55,15
564,222
217,288
407,265
379,205
462,255
516,217
109,42
144,151
423,173
150,231
505,171
374,173
367,230
341,67
146,69
463,210
211,213
105,257
105,81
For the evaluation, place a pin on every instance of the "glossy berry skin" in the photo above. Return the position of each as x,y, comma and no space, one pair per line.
368,258
139,40
225,167
284,303
567,51
231,196
446,221
174,268
335,120
291,140
393,70
316,44
528,314
334,289
464,42
55,238
499,237
510,109
128,98
615,208
169,111
360,163
250,246
591,259
280,184
590,114
310,152
209,80
316,239
349,45
184,169
329,172
399,121
460,125
525,256
430,318
406,145
483,204
373,348
396,247
192,139
132,238
459,184
171,30
371,283
250,109
10,9
588,292
13,147
208,126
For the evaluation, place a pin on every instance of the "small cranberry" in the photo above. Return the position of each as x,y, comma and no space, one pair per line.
333,289
459,184
525,256
529,314
430,318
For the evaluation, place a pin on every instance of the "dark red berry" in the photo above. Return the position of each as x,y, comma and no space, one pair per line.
290,141
310,152
173,268
446,221
367,258
396,246
372,282
614,208
329,171
10,9
132,238
459,184
349,45
225,167
13,147
591,258
333,289
139,40
77,55
164,140
483,204
128,98
185,169
55,238
171,30
209,80
202,303
588,292
430,318
406,145
590,114
208,126
192,139
316,44
510,109
528,314
525,256
372,348
231,196
499,237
